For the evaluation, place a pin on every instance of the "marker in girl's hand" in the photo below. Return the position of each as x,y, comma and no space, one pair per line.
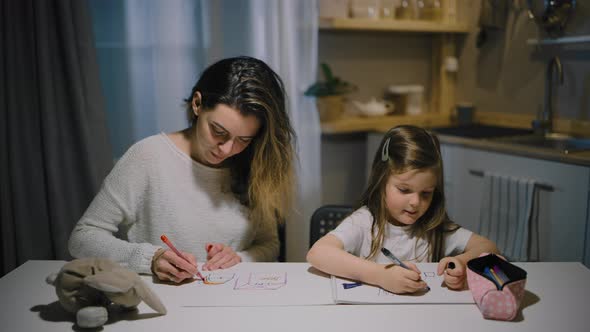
165,239
451,265
394,259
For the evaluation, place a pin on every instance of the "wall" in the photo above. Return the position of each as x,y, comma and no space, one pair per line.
375,60
372,61
343,168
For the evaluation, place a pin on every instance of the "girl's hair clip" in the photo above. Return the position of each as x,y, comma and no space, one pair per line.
385,151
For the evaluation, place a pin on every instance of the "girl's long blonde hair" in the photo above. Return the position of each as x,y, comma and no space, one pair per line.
262,175
402,149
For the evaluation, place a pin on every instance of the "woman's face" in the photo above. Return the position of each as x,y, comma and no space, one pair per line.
221,133
408,195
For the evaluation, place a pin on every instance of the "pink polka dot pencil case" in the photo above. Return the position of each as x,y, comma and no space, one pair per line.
496,285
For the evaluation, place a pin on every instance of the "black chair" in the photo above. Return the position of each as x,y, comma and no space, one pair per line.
325,219
282,249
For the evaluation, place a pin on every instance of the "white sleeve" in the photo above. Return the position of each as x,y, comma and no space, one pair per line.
116,202
456,241
352,231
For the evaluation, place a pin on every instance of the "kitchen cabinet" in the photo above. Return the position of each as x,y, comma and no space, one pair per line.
563,212
374,54
441,92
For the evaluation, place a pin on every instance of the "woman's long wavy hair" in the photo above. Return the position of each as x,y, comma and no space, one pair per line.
402,149
262,176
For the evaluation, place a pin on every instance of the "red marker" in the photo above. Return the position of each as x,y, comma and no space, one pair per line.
173,248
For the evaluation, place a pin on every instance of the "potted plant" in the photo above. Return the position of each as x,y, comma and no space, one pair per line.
330,94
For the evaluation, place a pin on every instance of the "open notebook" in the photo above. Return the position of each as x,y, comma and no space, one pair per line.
346,291
295,284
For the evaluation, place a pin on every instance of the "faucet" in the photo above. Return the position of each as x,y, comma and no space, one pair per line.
544,124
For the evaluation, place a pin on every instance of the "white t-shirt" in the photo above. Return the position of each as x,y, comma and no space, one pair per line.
355,234
156,189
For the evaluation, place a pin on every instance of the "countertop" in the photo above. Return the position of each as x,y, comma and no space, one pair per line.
577,158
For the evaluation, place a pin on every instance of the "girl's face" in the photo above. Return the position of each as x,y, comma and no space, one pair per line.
221,133
408,195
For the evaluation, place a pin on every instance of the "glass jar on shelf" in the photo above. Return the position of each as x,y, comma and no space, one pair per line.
388,9
364,9
406,10
431,10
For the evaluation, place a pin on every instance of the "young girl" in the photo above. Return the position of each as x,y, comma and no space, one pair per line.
403,210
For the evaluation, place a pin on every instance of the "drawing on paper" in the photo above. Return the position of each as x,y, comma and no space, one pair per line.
365,293
261,281
427,275
214,278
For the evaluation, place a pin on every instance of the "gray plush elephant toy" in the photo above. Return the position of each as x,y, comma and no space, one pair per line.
88,287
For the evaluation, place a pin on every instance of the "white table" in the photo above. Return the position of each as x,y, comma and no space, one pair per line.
557,299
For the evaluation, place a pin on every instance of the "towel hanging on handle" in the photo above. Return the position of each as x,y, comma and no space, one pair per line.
508,211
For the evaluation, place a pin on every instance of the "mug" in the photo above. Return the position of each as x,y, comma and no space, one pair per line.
465,113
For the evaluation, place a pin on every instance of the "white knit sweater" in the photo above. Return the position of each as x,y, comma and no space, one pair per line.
156,189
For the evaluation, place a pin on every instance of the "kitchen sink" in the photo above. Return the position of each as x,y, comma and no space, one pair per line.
517,136
480,131
554,141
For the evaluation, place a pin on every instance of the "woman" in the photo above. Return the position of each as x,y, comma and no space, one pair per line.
216,189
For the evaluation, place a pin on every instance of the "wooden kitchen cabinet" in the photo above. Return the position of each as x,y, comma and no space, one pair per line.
374,54
439,101
563,212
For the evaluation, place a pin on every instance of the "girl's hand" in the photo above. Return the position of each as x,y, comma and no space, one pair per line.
220,256
454,277
398,280
167,266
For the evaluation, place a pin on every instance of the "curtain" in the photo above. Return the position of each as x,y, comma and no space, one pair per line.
285,34
152,52
54,143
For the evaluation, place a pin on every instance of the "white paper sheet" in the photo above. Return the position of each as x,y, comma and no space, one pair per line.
367,294
254,284
294,284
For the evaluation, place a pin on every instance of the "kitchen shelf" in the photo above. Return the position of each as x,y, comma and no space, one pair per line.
351,124
441,94
366,24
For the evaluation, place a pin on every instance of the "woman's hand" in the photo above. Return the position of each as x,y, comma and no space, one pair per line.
454,274
398,280
220,256
168,266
